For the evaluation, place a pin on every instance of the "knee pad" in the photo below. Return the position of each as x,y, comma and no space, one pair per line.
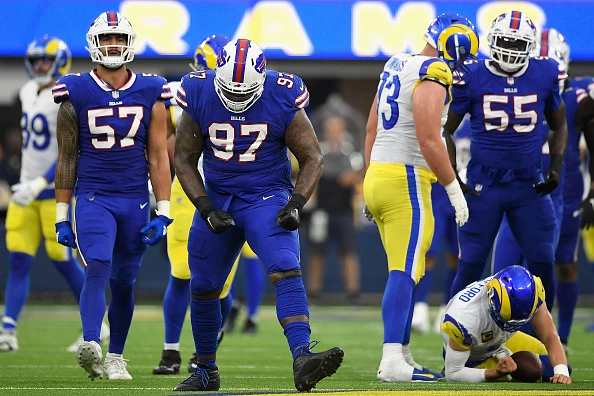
472,253
291,299
543,253
284,260
97,269
20,263
200,286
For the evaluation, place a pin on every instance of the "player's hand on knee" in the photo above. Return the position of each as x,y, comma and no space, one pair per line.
560,379
505,366
25,193
289,217
156,230
587,211
549,185
64,234
368,214
456,197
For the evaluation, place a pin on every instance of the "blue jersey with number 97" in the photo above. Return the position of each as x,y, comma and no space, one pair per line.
113,125
506,117
245,154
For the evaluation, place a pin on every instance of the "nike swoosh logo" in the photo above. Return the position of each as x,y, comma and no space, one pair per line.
143,205
424,375
268,197
301,87
443,70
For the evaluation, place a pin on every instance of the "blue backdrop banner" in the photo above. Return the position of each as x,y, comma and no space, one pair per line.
331,29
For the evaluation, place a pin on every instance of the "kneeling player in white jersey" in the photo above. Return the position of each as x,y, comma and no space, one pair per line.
405,155
31,212
480,329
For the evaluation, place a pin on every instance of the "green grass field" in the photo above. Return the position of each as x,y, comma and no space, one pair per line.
251,364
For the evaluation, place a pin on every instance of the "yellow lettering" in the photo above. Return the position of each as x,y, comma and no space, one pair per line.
489,11
375,31
275,24
158,24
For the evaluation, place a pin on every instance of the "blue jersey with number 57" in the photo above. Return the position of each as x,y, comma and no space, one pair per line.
113,125
245,154
506,117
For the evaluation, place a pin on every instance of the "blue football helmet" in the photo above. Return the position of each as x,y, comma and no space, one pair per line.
514,297
50,48
454,37
205,57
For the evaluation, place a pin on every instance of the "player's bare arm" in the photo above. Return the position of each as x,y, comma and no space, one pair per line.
428,100
558,124
545,330
585,112
371,130
67,163
450,127
189,145
456,371
301,139
158,160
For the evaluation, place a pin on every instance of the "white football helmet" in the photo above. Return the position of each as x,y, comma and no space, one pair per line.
512,38
551,43
240,74
110,23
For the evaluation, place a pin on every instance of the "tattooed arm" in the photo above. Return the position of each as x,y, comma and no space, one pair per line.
301,139
189,144
67,134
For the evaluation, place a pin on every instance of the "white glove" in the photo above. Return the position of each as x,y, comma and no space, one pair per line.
368,214
458,202
25,193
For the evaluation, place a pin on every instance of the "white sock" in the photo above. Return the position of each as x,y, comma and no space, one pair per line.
408,357
172,346
109,355
392,351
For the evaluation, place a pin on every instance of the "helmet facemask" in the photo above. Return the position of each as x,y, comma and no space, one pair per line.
111,23
40,77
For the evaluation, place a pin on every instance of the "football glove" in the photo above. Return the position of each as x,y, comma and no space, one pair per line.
456,197
64,234
587,210
551,176
289,216
25,193
368,214
217,221
156,230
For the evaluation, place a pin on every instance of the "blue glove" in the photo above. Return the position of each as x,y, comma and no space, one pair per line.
158,228
65,235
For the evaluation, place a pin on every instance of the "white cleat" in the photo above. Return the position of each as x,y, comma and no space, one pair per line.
103,338
89,356
439,319
115,368
420,320
397,370
8,342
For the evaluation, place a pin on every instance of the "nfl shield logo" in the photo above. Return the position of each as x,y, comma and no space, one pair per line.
116,94
510,80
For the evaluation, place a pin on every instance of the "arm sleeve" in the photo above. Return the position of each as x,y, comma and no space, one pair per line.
296,97
455,370
188,92
456,331
50,174
165,92
60,90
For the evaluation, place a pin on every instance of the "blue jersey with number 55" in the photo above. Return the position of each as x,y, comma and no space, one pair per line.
113,125
245,154
506,116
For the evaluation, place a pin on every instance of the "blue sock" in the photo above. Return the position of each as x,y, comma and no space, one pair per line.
423,288
567,295
465,275
175,306
226,304
545,272
74,274
447,284
547,368
291,300
254,286
92,299
206,319
407,329
396,306
17,288
121,310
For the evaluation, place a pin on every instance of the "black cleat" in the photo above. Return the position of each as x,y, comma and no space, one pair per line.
311,368
193,363
169,364
231,319
205,378
249,327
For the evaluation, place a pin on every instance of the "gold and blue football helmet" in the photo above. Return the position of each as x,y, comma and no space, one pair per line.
50,48
205,57
455,39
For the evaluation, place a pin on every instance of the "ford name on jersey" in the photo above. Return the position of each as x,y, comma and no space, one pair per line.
245,155
112,134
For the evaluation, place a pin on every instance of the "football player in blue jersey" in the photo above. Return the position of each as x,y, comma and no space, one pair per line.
566,198
242,118
31,211
111,137
509,97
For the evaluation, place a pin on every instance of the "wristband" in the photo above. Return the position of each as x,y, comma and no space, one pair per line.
299,200
163,208
203,205
453,188
61,212
561,369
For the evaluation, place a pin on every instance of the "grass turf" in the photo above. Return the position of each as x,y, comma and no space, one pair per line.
255,364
